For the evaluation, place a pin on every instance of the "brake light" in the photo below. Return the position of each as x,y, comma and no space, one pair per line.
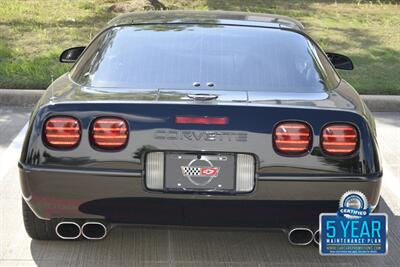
110,133
201,120
292,138
339,139
62,132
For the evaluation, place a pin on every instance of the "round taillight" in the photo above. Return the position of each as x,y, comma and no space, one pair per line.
292,138
110,133
339,139
62,132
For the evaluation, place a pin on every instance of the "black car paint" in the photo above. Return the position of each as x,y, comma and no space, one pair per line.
146,119
48,176
85,182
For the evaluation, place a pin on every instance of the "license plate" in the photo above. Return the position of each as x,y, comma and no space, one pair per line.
200,172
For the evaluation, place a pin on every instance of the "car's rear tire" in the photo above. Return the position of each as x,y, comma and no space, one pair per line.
37,228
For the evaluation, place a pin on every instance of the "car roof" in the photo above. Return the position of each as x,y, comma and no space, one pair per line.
207,17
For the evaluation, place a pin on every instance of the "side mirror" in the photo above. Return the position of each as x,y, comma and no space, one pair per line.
340,61
71,55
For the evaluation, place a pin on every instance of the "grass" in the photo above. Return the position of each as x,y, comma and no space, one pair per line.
34,32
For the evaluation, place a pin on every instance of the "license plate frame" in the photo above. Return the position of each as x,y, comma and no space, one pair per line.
200,172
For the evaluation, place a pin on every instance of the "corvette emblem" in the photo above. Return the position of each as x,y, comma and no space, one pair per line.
200,171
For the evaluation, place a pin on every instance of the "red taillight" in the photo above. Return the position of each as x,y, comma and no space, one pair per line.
339,139
110,133
292,138
201,120
62,132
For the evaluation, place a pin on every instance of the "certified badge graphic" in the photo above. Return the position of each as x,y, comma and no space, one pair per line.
353,230
200,172
353,205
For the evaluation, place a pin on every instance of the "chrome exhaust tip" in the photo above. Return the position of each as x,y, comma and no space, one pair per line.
68,230
94,230
300,236
316,237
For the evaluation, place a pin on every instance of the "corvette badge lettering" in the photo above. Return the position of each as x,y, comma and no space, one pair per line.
208,136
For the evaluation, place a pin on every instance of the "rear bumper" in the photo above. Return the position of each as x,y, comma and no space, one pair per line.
122,198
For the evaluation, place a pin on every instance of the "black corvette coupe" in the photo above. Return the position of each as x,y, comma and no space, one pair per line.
196,118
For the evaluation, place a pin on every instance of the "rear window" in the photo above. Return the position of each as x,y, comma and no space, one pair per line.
229,57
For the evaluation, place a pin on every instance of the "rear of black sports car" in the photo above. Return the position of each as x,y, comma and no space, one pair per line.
212,119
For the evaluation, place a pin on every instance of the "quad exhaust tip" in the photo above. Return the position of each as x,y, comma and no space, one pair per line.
300,236
68,230
94,230
316,237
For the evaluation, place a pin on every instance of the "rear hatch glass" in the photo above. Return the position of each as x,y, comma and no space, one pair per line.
203,57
